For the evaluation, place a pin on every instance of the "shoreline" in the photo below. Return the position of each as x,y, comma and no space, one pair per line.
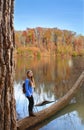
32,52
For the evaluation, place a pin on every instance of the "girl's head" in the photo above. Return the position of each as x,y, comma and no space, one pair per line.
29,74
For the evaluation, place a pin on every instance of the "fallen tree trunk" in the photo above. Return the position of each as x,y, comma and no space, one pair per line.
44,103
29,122
66,111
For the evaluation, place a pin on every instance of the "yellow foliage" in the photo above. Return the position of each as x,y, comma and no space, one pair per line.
64,49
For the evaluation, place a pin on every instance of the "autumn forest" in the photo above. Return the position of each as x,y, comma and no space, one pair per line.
48,41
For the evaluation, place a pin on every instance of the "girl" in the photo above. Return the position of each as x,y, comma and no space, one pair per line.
29,87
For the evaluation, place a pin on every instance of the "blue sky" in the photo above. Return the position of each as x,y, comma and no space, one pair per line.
63,14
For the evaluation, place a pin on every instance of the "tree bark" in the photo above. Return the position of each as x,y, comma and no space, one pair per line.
30,122
7,44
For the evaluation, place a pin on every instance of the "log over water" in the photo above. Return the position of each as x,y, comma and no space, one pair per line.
29,122
44,103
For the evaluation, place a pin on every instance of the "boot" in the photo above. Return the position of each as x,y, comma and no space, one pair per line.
31,114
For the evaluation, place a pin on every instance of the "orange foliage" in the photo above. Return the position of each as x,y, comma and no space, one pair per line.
49,39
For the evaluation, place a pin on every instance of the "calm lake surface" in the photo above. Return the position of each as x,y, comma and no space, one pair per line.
54,76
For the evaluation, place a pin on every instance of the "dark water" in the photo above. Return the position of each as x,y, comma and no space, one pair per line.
54,76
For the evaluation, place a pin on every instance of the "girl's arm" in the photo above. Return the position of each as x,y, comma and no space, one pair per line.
32,83
26,87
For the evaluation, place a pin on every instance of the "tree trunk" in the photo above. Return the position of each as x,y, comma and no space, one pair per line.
7,101
30,122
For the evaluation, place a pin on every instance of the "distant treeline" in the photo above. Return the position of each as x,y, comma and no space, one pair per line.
51,40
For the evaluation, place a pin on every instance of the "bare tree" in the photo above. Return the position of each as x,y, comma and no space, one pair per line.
7,43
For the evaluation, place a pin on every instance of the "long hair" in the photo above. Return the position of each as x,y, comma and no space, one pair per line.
31,78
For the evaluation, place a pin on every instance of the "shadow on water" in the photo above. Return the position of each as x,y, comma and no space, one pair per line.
53,77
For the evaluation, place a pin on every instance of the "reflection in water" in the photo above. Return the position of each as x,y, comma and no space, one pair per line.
22,103
53,77
70,118
68,121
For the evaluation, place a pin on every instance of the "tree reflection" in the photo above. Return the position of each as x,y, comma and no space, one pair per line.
54,76
58,74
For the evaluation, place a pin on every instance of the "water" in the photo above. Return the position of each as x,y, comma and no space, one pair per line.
70,118
54,76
